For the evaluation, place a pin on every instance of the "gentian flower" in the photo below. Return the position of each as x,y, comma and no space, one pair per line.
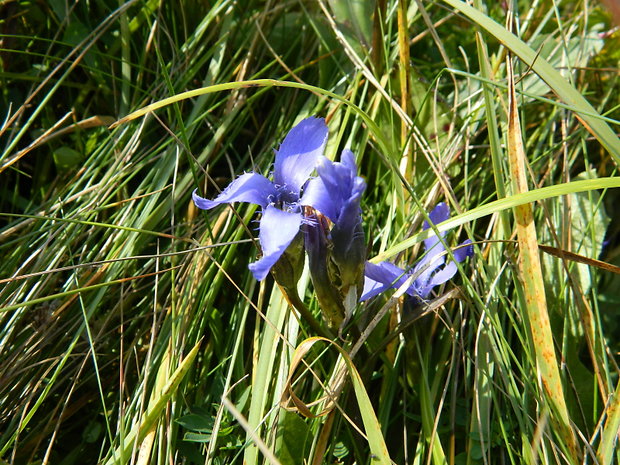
429,272
337,254
282,214
336,193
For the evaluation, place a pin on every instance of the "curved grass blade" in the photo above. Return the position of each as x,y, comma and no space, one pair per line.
562,88
499,205
255,83
378,449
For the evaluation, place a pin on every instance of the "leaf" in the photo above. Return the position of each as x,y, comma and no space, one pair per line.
66,158
576,51
354,18
295,436
201,422
197,437
586,230
92,432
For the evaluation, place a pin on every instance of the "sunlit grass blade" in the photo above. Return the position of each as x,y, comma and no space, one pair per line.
530,272
611,429
563,89
511,201
268,347
153,411
374,435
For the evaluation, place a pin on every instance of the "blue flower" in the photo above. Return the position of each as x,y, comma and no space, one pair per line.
429,272
336,193
336,254
280,199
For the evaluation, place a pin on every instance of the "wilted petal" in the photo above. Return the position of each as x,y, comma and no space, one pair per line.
277,230
328,295
249,187
349,254
299,152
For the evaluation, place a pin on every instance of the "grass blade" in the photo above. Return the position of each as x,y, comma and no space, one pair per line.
152,415
530,272
372,427
516,200
563,89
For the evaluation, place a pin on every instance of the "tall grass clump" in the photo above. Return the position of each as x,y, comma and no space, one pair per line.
132,330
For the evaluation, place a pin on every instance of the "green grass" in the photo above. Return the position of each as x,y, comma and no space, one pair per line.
131,330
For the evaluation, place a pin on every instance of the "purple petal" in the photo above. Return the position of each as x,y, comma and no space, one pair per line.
337,190
462,252
384,272
433,276
381,277
338,180
277,230
249,187
347,158
440,213
421,291
443,275
372,288
334,174
299,152
423,271
350,215
317,197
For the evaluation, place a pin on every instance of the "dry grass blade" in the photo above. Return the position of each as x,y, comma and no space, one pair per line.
531,275
577,258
